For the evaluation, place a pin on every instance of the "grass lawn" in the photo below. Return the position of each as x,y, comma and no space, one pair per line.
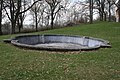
102,64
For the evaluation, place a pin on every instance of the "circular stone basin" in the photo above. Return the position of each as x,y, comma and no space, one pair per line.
58,42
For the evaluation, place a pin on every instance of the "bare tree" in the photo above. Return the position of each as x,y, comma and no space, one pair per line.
91,11
61,15
21,16
78,13
54,9
109,4
14,12
1,8
118,5
14,7
37,12
101,8
86,10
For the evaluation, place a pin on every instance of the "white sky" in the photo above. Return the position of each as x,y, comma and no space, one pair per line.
76,0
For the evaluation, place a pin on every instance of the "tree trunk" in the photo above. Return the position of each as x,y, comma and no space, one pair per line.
1,5
119,15
105,16
0,24
109,12
119,10
102,16
20,23
91,11
36,22
13,27
52,20
0,28
19,28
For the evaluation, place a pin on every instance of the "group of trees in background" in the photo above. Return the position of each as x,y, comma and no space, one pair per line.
55,12
14,11
105,8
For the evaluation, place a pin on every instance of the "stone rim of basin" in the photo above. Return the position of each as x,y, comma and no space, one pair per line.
57,42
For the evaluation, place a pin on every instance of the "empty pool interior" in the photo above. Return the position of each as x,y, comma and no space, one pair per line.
61,45
58,42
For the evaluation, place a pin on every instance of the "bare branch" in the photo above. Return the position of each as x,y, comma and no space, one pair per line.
30,7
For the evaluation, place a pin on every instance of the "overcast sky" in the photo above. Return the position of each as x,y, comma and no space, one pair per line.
76,0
